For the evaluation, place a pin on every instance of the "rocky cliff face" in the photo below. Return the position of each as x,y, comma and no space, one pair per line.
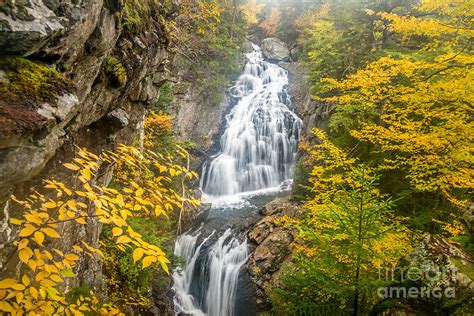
197,116
112,75
75,75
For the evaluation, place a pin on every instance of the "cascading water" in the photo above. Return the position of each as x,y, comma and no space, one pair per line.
258,150
259,144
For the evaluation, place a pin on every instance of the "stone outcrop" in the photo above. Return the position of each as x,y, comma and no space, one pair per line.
69,97
271,247
275,50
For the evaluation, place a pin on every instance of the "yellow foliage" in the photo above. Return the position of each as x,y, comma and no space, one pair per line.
251,9
142,190
422,101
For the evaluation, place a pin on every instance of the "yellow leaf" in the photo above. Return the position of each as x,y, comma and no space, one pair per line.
41,275
7,283
124,213
47,283
81,220
34,292
123,240
32,264
6,307
50,204
71,166
148,260
137,254
98,204
27,231
22,244
116,231
51,232
33,219
71,257
78,248
39,238
25,280
56,278
87,174
19,297
15,221
24,255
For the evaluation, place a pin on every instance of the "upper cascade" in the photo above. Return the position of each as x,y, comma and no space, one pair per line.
258,147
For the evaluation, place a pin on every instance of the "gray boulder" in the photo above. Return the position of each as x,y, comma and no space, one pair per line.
275,50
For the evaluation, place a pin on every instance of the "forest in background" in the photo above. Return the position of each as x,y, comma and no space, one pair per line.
394,163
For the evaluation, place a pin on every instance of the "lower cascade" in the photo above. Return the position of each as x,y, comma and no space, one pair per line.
258,151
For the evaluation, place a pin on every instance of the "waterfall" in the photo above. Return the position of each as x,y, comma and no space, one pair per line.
258,151
221,272
258,146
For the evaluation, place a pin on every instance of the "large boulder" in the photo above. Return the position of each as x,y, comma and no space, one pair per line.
275,50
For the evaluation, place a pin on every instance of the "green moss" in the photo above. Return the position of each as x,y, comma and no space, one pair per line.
138,14
31,82
115,72
27,85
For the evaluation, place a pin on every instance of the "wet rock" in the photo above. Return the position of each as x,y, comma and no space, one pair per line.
261,230
315,114
275,50
277,206
269,255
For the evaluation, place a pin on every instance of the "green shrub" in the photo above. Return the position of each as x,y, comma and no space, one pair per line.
128,283
166,98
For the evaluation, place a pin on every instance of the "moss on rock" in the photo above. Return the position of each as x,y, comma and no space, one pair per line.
31,82
25,87
115,71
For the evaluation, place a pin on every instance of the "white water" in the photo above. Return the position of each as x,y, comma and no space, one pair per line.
258,147
258,152
224,260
